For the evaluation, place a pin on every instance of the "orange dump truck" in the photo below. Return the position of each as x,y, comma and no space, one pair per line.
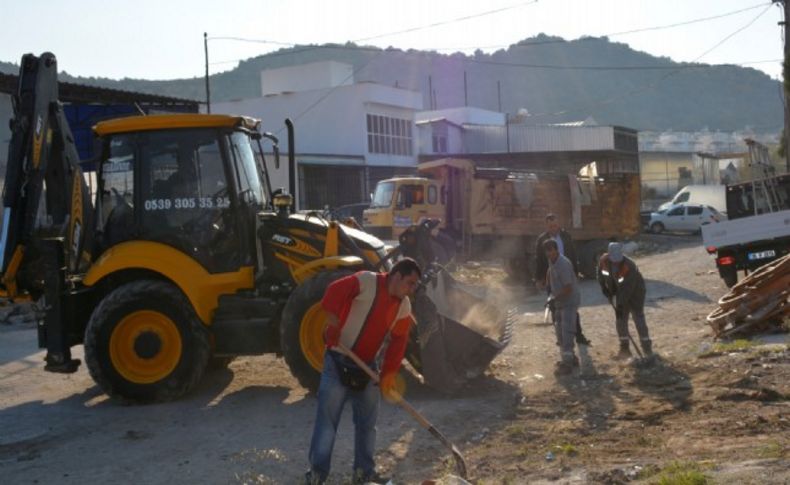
499,212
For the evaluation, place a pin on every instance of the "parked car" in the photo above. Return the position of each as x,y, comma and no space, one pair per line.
683,218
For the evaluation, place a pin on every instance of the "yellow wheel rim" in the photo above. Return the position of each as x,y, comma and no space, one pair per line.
145,347
311,339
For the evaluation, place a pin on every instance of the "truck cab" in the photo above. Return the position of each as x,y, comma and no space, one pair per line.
401,202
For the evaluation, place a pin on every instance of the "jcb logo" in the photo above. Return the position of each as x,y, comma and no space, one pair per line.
286,241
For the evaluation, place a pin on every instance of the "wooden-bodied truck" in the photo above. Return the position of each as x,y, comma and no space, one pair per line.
489,213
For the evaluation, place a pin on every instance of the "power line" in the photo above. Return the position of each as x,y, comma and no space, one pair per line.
653,84
614,34
438,24
674,69
412,29
520,44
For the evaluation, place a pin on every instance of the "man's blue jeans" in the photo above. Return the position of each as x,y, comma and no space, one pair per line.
332,396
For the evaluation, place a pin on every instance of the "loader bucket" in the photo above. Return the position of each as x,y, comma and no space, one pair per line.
459,333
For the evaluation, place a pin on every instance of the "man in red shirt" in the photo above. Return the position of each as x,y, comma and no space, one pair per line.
366,312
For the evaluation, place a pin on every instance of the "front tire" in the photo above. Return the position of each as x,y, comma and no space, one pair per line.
144,343
657,228
301,328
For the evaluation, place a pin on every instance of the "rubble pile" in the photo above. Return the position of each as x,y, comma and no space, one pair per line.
758,300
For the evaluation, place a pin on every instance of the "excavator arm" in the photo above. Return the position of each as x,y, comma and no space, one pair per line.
45,196
47,222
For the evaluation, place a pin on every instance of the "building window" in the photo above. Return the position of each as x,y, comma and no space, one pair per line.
439,138
389,135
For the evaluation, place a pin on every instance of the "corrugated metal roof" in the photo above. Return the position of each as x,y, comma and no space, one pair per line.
81,93
520,138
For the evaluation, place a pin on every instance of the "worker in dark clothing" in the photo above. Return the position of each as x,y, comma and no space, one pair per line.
367,312
622,284
567,249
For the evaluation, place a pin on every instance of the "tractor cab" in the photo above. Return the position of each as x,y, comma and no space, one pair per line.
195,185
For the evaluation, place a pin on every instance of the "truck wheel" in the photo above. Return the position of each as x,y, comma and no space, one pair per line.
144,343
301,328
729,275
657,228
589,255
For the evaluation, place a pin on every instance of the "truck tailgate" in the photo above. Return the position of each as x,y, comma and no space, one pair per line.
748,229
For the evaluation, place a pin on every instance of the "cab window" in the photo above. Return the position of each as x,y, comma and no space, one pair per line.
248,179
184,196
684,197
411,194
695,210
383,195
117,190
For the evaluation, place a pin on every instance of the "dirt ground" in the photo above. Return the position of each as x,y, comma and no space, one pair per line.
705,409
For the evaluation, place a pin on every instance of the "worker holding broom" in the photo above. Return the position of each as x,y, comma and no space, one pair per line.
622,284
366,312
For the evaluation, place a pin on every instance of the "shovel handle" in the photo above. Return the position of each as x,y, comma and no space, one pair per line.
636,347
460,463
375,377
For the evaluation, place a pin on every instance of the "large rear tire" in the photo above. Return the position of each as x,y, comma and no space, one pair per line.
144,343
301,328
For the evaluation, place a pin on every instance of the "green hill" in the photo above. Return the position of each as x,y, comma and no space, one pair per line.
556,80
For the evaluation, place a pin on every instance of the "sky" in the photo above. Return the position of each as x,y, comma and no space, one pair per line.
163,39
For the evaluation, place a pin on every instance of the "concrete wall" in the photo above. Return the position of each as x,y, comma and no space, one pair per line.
660,171
306,77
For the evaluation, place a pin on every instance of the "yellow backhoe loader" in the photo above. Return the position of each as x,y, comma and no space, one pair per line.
186,255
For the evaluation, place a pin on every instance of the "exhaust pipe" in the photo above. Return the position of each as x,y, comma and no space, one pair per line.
291,163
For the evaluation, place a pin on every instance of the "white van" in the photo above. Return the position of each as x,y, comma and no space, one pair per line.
712,195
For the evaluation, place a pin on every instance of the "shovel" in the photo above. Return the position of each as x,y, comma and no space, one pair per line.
460,464
633,342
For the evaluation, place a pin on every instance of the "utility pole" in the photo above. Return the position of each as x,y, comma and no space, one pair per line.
208,93
786,82
499,95
466,99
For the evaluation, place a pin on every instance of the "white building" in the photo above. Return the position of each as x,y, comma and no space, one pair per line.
348,135
503,139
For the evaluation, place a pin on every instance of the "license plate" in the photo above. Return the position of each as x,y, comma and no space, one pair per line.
762,255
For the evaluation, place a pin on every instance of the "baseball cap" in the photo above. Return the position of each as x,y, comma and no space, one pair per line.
615,252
